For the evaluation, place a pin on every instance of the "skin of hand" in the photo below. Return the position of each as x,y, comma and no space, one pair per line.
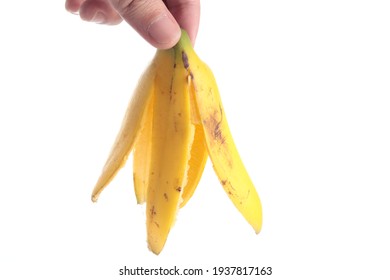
157,21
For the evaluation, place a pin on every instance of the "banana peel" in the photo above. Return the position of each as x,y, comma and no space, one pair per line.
174,122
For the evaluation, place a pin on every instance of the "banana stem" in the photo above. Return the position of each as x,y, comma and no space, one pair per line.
184,48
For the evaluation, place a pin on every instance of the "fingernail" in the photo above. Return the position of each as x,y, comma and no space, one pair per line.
162,29
99,17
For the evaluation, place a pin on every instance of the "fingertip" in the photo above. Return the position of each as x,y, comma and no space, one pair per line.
193,35
187,14
164,32
73,6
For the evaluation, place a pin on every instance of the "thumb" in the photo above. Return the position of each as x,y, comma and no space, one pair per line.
151,19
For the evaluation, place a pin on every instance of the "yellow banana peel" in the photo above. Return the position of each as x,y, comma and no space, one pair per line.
174,121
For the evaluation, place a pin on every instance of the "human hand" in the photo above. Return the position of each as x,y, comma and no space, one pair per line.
157,21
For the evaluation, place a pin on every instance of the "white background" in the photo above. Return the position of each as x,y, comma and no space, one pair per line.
306,89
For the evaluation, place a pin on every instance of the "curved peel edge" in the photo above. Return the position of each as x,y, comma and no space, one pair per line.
129,130
221,148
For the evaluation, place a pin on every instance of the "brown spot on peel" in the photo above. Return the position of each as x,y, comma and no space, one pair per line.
213,125
184,57
152,211
178,189
218,133
186,64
